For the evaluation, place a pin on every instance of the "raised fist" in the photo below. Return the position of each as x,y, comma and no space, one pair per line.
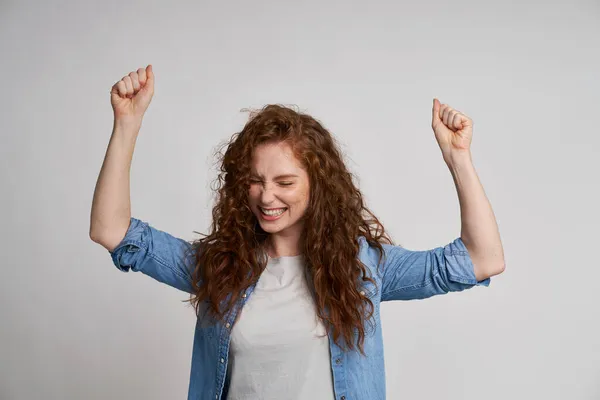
131,96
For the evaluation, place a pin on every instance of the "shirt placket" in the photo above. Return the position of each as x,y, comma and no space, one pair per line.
224,340
339,370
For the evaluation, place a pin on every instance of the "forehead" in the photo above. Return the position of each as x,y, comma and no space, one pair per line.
269,159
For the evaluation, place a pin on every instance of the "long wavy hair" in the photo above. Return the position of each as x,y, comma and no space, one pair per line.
229,259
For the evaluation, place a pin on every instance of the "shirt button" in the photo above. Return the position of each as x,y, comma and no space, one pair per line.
244,295
222,360
338,361
227,325
362,292
343,398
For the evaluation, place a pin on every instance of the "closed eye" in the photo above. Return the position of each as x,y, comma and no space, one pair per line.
280,183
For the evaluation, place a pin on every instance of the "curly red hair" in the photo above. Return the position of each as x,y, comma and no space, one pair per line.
228,259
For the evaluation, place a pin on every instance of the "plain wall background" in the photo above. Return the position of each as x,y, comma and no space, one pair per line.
73,327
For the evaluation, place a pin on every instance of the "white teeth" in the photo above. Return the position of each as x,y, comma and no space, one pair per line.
273,213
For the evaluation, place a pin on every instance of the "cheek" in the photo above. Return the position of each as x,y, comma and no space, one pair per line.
252,194
300,198
252,204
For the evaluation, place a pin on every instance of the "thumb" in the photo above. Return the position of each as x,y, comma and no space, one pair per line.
150,78
435,117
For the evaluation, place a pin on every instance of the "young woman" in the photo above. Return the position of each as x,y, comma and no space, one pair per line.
287,285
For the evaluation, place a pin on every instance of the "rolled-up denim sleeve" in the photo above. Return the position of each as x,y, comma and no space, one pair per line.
155,253
409,274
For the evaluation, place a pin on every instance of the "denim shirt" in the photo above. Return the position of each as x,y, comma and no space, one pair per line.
403,275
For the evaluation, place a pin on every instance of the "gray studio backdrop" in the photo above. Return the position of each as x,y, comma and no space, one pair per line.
74,327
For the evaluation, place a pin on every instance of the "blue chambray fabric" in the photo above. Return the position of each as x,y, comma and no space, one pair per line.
402,275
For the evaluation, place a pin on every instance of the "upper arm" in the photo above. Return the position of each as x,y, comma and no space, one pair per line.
409,274
155,253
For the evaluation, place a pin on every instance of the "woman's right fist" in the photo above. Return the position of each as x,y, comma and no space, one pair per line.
131,96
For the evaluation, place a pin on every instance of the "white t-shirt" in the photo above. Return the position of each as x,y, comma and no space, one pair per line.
279,349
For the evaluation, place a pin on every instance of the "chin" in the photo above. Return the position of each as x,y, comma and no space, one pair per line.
272,227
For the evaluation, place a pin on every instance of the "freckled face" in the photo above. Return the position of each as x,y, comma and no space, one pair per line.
279,183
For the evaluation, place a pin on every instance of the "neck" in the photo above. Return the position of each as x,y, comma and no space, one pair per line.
283,246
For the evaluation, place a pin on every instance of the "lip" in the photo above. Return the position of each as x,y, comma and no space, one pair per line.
272,218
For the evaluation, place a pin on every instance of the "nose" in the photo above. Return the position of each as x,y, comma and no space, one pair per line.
267,194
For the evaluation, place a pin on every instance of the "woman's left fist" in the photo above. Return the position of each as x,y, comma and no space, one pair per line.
453,130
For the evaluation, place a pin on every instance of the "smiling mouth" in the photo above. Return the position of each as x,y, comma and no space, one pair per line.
273,212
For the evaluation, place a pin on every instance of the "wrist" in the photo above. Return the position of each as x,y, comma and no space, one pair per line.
458,159
128,124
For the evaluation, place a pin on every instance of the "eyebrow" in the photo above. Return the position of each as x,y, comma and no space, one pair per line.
284,176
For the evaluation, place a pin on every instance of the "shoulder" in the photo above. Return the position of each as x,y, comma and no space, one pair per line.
370,255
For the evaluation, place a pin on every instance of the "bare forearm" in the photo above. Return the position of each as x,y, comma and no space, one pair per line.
111,206
479,230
